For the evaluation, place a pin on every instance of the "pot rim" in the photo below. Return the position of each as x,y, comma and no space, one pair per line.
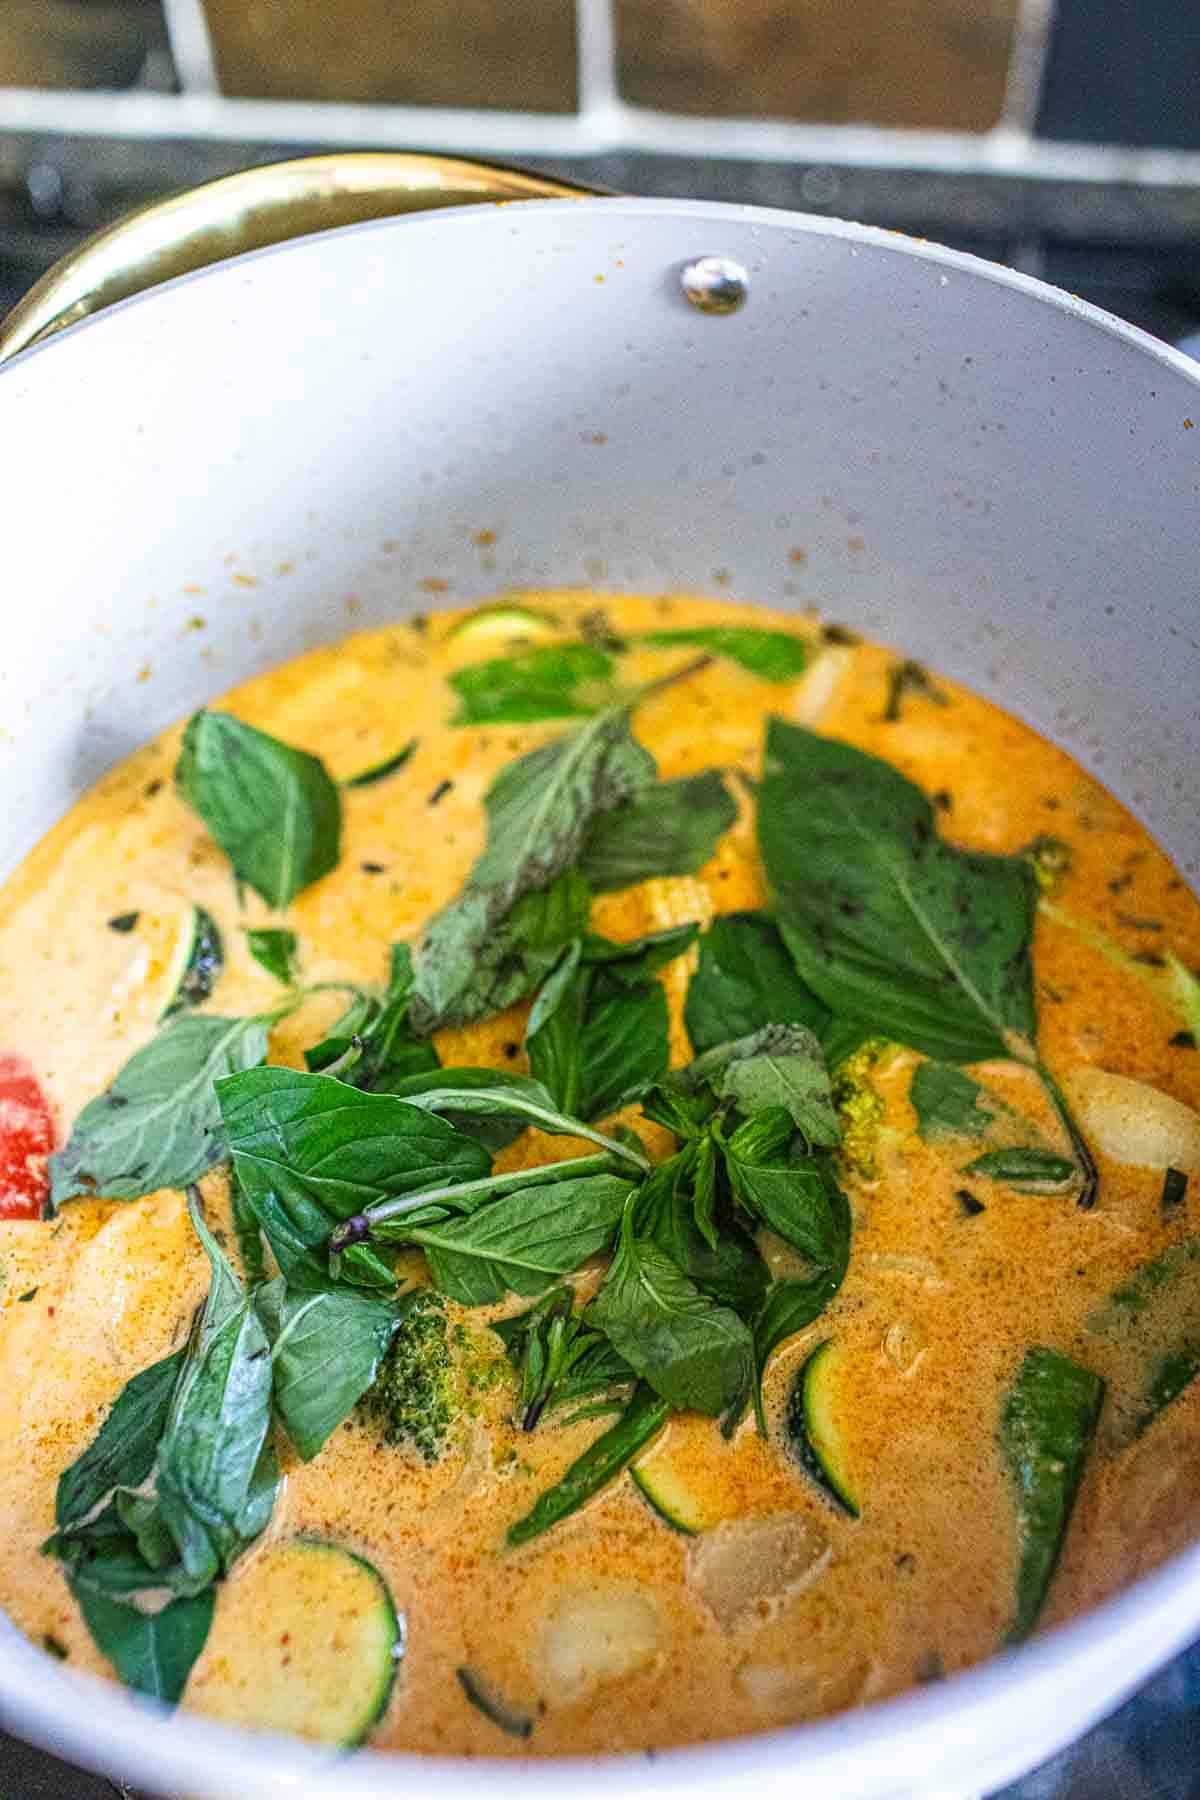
588,206
1151,1619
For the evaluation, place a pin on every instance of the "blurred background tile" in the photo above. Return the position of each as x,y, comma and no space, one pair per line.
934,63
517,53
83,44
1123,72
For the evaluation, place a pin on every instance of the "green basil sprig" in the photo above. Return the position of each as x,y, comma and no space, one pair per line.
274,949
672,828
746,979
180,1479
598,1032
274,810
891,925
771,655
159,1124
554,681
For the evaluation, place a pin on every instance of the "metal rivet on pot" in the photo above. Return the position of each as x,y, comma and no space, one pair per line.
715,284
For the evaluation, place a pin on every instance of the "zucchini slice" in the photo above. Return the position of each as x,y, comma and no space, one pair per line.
812,1428
1046,1430
504,622
689,1480
485,1700
196,960
670,1495
324,1666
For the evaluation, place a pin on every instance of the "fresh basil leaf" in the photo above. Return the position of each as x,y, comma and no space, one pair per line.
158,1125
475,967
372,1046
763,1139
948,1103
552,1036
788,1307
598,1033
771,655
103,1558
672,828
483,1093
393,1221
141,1515
297,1235
624,1048
406,1059
791,1305
524,1241
325,1151
624,965
695,1353
327,1343
791,1197
885,920
207,1471
555,681
1171,1375
1128,1305
248,1235
275,949
490,1121
704,1190
486,1093
152,1652
381,770
842,1038
558,1357
600,1463
272,809
539,810
684,1114
1028,1171
781,1065
123,1450
791,1074
180,1478
746,979
541,807
732,1270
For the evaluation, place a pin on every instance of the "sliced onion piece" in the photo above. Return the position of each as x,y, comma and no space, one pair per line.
596,1634
746,1567
1132,1122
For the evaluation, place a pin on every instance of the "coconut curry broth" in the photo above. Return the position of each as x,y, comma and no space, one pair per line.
937,1308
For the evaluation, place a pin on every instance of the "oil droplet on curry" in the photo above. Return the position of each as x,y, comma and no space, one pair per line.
868,1531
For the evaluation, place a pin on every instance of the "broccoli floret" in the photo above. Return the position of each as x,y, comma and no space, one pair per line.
860,1106
414,1394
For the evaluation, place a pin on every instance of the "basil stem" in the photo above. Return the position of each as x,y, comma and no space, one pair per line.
364,1225
468,1100
1089,1173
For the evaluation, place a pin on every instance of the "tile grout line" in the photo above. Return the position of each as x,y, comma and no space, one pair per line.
597,97
609,126
190,42
1027,65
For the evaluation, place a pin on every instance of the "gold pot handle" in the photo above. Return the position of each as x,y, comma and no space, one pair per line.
247,211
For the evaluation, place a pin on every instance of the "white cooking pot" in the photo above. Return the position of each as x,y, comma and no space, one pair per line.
339,430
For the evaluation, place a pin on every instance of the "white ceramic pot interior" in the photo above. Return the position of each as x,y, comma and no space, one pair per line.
338,432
